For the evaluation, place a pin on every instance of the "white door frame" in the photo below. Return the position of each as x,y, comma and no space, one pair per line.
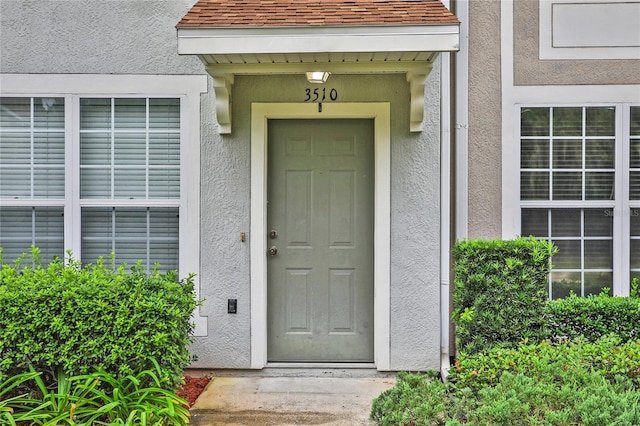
260,114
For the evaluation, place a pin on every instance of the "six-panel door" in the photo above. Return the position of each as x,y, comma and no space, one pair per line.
320,245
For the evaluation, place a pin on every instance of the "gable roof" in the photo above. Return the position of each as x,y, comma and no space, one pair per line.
315,13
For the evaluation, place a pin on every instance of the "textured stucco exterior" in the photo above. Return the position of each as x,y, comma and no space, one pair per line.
415,219
93,37
139,37
484,157
530,70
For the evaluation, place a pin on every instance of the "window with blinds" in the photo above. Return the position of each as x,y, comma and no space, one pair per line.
146,234
584,237
127,172
573,192
567,154
634,189
22,227
130,148
32,142
32,176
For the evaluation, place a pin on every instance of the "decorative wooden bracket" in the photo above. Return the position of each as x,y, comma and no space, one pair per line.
222,84
417,82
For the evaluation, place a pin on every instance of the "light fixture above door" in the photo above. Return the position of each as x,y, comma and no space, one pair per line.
317,76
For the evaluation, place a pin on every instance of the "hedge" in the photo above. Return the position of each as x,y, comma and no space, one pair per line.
594,317
500,292
564,384
76,320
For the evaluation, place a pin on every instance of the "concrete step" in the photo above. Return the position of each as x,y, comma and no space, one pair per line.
288,400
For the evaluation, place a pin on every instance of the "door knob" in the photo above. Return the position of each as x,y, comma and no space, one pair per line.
273,250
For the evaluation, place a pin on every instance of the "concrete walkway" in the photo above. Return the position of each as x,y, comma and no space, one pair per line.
289,397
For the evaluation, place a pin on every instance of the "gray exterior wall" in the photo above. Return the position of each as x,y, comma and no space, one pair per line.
415,222
485,97
485,118
529,70
93,37
139,37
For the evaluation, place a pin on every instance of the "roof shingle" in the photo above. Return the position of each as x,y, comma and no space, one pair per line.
315,13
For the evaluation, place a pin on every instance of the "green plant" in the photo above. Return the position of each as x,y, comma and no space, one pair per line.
563,384
70,319
500,292
416,399
99,398
594,317
608,357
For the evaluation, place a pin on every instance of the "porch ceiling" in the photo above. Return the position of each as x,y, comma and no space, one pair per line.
338,36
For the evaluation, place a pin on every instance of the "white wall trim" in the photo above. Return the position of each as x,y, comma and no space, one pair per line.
260,114
281,40
462,124
589,29
188,88
445,209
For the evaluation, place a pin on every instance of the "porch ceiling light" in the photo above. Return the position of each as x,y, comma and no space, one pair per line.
317,76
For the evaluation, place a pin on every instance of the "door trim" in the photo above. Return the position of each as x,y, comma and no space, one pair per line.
260,114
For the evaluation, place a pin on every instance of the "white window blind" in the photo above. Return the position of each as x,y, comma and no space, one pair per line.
22,227
634,154
567,153
32,143
146,234
128,170
129,148
584,237
575,192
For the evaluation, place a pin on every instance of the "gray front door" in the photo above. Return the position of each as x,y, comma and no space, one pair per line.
320,221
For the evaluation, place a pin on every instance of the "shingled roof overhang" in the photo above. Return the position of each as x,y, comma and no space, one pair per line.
339,36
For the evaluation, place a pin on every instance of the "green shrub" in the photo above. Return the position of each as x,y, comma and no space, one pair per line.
565,384
416,399
594,317
66,319
608,357
585,398
500,292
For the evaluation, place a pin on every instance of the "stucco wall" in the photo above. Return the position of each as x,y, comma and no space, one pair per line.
530,70
485,200
93,36
415,219
139,37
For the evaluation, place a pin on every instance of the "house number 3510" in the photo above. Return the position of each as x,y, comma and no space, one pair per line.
320,95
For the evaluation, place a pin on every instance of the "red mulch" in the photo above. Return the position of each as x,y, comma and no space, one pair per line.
192,388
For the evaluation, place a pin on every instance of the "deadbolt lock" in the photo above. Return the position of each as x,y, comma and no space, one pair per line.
273,234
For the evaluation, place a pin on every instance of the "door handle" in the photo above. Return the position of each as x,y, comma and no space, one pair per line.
273,250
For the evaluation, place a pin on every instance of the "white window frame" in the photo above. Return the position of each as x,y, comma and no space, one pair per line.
512,205
513,96
73,87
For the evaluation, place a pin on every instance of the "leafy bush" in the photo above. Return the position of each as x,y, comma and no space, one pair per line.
417,400
594,317
94,399
608,357
566,384
500,292
70,320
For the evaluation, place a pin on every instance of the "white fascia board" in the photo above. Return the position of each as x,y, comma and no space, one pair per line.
227,41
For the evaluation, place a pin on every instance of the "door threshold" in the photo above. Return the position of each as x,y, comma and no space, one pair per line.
323,365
